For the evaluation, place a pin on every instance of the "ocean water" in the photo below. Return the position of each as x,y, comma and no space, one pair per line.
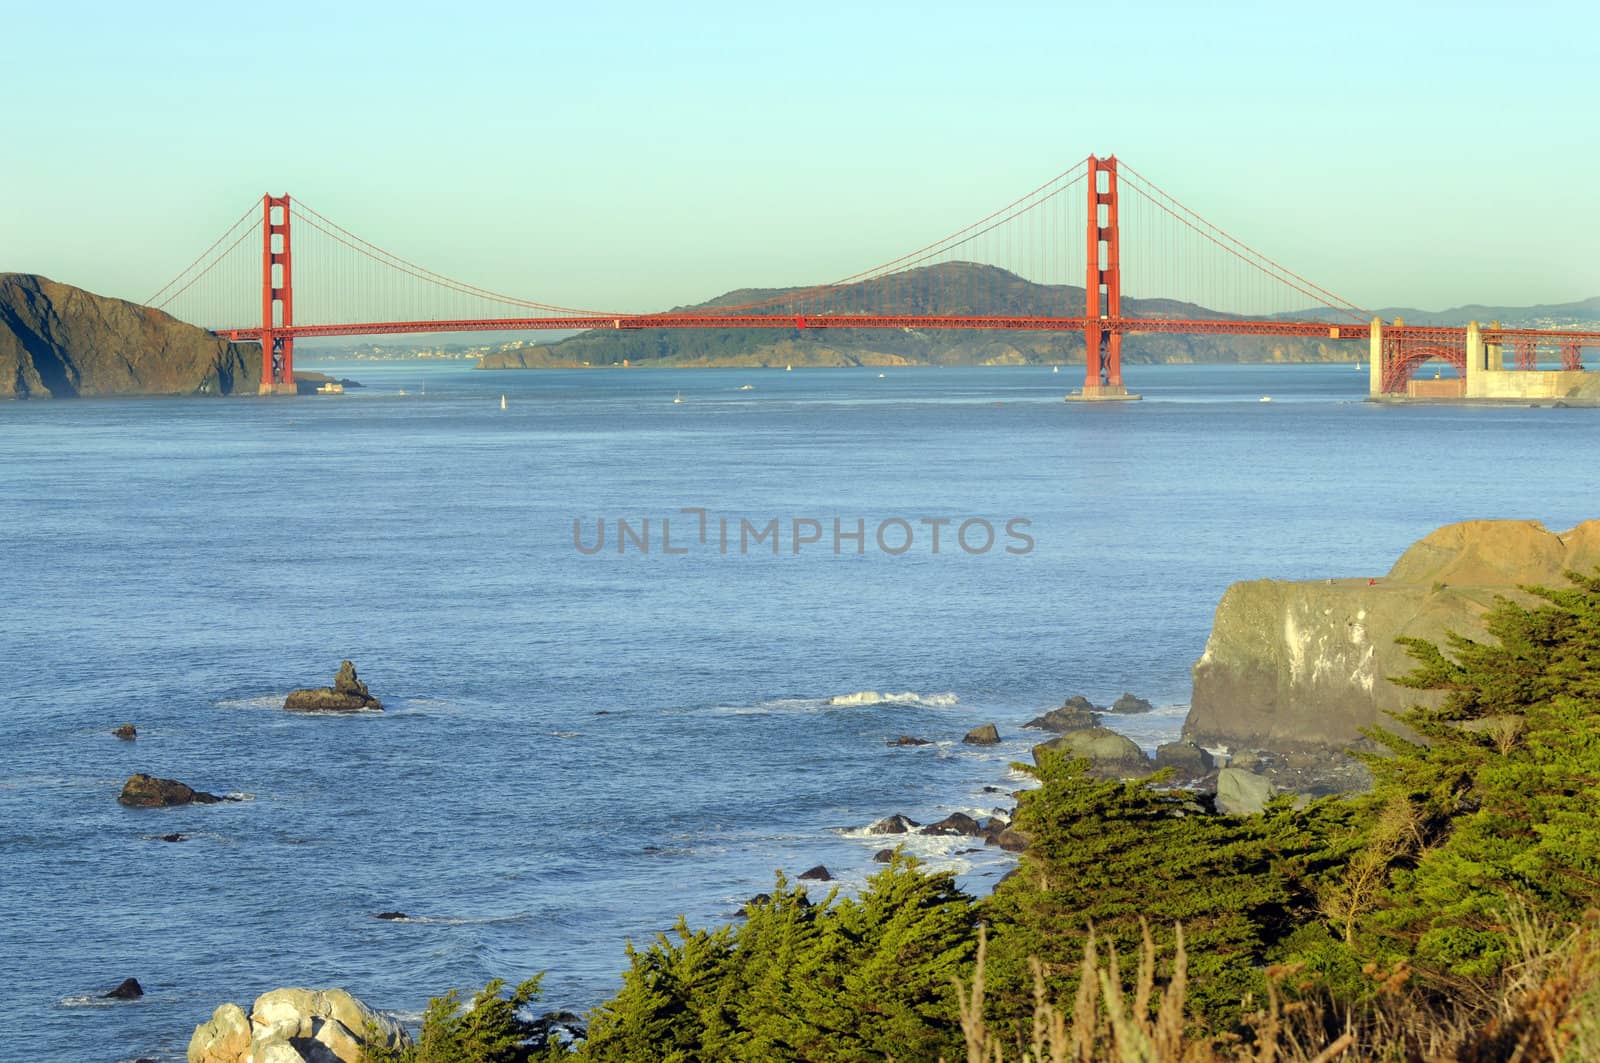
578,748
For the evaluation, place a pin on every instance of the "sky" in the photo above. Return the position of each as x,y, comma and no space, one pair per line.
648,155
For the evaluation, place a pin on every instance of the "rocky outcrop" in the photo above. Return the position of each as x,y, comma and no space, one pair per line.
1110,755
127,989
909,740
1129,703
957,823
147,791
1187,760
816,874
986,735
1069,717
1307,665
293,1026
348,694
224,1038
127,732
896,824
57,341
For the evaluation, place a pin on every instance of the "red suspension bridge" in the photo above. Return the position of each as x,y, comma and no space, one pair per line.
1074,246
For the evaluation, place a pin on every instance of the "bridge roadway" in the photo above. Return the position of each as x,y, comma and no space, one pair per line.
1193,326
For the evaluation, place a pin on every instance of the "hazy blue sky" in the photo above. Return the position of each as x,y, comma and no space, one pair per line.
642,155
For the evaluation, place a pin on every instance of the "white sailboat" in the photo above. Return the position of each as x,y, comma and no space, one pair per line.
502,402
677,398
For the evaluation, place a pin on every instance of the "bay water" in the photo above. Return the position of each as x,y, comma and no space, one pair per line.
580,745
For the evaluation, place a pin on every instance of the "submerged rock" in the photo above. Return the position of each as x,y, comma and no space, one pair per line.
909,740
986,735
348,694
391,915
130,989
147,791
126,732
1110,755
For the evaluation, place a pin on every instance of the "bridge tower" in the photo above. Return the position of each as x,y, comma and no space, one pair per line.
277,298
1102,284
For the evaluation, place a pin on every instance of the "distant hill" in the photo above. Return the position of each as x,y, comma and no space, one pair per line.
951,288
57,341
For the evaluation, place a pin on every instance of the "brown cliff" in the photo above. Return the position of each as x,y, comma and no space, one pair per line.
57,341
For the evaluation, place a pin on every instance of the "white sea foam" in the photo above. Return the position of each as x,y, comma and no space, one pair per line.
873,697
261,701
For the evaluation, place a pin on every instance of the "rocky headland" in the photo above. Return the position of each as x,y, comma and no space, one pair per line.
57,341
1295,670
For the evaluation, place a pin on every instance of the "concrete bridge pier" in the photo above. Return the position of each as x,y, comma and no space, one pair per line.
1477,362
1375,368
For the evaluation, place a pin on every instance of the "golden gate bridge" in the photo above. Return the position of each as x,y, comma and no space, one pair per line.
1078,242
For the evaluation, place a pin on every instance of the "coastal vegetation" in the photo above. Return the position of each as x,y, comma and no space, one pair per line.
1449,913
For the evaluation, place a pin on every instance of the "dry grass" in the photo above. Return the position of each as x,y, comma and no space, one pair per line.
1547,1010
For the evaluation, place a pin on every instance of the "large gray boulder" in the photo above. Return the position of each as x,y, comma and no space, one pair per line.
1110,755
1241,793
1187,760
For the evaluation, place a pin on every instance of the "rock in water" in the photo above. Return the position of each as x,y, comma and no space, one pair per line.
126,732
1067,718
348,694
57,341
909,740
957,823
816,874
1298,666
130,989
987,735
896,824
1110,755
1129,703
146,791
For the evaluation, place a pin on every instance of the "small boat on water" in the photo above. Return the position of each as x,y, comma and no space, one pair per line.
788,369
502,402
747,387
1055,369
1266,398
677,398
332,387
880,376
